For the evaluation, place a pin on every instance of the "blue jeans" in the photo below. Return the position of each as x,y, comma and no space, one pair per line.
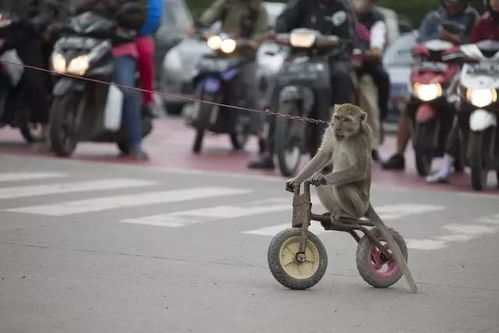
131,122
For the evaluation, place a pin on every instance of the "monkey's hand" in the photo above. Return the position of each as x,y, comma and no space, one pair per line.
318,179
291,185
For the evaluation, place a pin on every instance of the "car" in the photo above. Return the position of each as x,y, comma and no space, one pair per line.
398,62
179,65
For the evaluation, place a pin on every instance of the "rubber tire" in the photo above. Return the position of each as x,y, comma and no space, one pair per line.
478,172
26,133
239,140
280,274
423,157
57,114
280,139
363,251
202,123
423,163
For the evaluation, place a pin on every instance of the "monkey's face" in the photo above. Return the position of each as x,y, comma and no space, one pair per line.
347,121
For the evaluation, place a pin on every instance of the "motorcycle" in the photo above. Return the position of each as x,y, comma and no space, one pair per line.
216,74
14,111
302,89
432,111
84,110
478,107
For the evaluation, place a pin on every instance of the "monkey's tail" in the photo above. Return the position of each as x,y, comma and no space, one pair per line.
397,253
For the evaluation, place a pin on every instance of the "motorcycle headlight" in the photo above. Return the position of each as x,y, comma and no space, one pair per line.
79,65
427,92
481,97
214,42
58,63
304,39
228,46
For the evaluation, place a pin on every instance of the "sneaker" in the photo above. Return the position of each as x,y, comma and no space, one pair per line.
396,162
139,156
262,162
437,179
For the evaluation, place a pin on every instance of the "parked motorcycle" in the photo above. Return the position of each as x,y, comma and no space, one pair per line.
302,88
432,109
83,110
478,108
14,111
216,74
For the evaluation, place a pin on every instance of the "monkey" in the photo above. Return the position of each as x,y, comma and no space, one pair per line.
342,165
341,170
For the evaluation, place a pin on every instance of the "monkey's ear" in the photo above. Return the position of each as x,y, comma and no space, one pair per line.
363,116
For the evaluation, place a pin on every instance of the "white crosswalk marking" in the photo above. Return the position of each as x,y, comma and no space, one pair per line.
22,176
387,213
183,218
127,201
87,186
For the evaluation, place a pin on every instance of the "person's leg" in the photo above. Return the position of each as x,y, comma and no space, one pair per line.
382,80
397,161
132,121
145,48
452,152
34,81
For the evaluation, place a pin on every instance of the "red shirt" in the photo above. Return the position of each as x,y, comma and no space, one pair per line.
485,29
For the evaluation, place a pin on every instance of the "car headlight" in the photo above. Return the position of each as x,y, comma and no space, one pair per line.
481,97
214,42
228,46
427,92
304,39
79,65
58,63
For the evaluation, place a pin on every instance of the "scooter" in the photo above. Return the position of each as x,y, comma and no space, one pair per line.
302,89
432,113
298,260
14,111
85,110
478,107
216,73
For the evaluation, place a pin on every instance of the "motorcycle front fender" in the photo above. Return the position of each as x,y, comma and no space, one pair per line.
425,113
210,84
65,84
481,120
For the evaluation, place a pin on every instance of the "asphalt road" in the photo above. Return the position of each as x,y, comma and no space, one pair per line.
90,247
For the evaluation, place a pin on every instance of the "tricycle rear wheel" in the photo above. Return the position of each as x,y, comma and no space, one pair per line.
285,266
372,264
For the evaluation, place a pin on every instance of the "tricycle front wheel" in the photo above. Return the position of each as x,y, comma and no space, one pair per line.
374,267
286,265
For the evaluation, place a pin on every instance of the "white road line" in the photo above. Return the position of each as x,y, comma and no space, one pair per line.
22,176
390,212
184,218
88,186
470,229
425,244
492,219
456,238
127,201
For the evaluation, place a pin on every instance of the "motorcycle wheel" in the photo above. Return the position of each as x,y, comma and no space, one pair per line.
31,132
202,122
284,265
423,153
64,123
479,142
289,136
374,267
241,134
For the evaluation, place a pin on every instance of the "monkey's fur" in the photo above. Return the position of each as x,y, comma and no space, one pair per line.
342,171
343,163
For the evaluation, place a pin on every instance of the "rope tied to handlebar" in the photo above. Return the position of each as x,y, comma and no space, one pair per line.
166,94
